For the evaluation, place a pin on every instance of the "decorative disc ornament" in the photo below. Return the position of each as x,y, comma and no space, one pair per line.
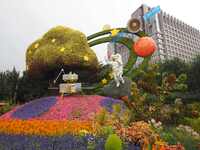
106,27
144,47
134,25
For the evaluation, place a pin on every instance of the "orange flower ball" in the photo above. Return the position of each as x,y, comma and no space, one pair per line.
144,47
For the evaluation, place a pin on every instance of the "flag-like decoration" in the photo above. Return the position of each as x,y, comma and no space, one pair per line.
151,13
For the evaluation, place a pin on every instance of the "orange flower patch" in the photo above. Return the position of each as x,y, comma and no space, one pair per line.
45,127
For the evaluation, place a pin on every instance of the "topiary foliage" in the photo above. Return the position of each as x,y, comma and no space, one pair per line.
61,47
113,143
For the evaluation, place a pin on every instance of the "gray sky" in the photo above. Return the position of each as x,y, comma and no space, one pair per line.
23,21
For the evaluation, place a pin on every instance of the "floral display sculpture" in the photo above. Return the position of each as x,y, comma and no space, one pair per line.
140,46
69,122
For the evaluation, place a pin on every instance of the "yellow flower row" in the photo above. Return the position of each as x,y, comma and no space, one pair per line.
45,127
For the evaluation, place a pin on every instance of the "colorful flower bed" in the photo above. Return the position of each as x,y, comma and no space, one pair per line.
55,116
58,108
72,123
54,123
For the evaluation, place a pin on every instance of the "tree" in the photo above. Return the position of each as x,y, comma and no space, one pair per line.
31,88
194,75
151,96
8,84
2,85
175,66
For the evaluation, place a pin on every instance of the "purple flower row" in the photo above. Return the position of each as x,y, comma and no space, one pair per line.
108,103
67,142
34,108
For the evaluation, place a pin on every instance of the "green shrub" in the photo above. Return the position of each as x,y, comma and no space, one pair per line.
168,137
102,117
188,141
194,123
5,109
107,130
113,143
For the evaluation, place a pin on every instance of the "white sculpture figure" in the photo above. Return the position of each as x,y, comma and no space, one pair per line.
117,68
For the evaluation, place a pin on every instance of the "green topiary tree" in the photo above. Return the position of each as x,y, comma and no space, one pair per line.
61,47
113,143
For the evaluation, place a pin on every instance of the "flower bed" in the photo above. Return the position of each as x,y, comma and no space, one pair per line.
66,142
58,108
34,108
44,127
73,107
72,123
53,123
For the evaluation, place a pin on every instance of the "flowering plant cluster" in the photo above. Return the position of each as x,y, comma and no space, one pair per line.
173,147
138,132
188,130
156,125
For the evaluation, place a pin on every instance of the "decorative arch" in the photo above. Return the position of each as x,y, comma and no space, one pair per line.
94,40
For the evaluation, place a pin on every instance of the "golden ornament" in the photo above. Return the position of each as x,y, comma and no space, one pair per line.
62,49
114,32
104,81
53,40
85,58
36,45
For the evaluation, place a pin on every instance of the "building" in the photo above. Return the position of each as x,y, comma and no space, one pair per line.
120,48
174,38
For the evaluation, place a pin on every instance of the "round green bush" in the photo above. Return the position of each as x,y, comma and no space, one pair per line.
113,142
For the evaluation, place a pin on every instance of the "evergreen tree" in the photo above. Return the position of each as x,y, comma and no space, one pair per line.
8,85
194,75
175,66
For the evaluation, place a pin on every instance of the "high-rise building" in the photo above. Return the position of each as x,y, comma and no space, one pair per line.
120,48
174,38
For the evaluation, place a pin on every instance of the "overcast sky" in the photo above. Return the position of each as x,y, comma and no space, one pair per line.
23,21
